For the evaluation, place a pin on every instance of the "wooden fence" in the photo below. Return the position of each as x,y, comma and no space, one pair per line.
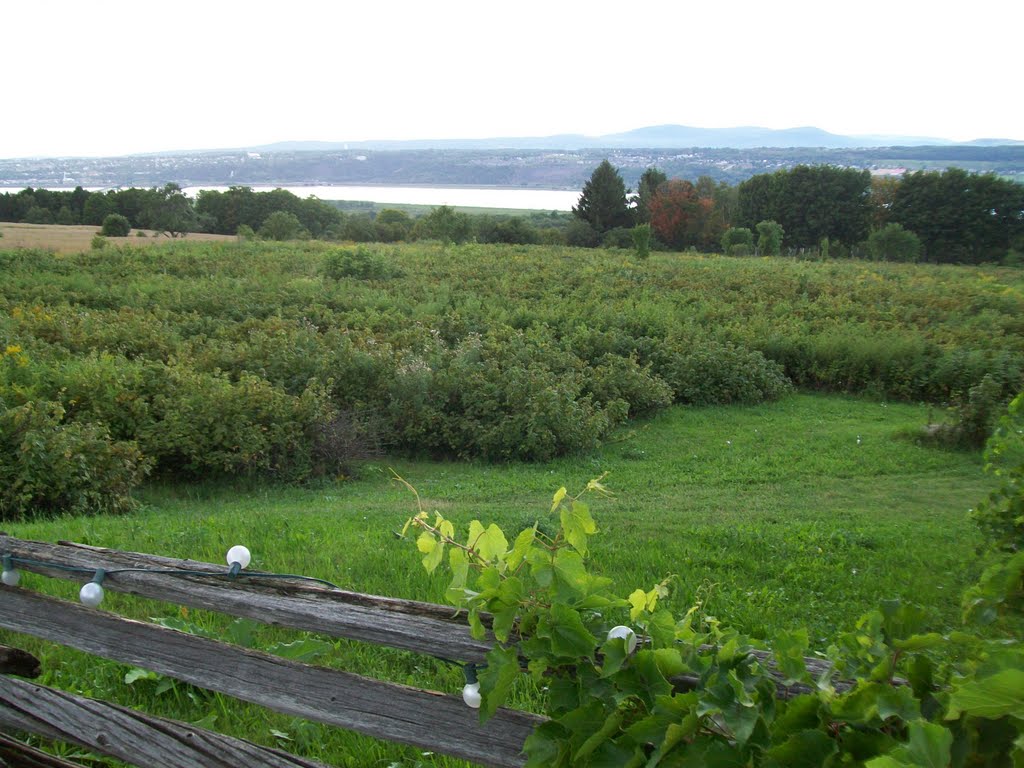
427,719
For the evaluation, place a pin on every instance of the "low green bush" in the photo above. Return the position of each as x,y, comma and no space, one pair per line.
361,263
49,465
707,372
115,225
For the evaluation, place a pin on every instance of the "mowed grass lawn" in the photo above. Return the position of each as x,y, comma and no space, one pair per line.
806,511
803,511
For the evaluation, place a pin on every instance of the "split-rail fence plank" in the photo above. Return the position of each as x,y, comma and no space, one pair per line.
127,734
426,719
406,624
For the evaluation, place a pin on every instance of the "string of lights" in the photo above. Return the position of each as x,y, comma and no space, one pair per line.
238,558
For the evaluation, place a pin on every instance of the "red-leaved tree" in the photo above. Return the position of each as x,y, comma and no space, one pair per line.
680,217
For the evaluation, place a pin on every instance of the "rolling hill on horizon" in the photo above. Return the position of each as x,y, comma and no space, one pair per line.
655,136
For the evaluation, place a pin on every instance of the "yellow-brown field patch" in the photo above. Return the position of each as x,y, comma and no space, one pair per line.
74,239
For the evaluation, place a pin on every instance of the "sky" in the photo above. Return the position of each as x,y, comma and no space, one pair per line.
114,77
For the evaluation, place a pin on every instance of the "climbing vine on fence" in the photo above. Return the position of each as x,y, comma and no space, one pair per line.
630,683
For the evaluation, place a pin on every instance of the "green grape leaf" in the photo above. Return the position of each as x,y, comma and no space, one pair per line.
609,728
492,544
919,642
456,594
994,696
523,543
928,746
661,627
476,532
901,620
476,627
804,749
578,525
638,603
546,746
570,571
898,702
434,557
496,679
559,495
613,655
567,633
789,649
426,543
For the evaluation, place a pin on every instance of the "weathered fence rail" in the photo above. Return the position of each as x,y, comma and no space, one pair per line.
427,719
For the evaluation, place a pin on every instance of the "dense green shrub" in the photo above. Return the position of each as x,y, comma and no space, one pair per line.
894,243
769,238
614,378
281,225
361,263
706,372
738,241
580,234
641,235
508,395
116,225
49,465
620,237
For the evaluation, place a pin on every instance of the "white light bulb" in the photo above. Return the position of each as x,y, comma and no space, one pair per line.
626,634
239,554
471,695
11,578
91,594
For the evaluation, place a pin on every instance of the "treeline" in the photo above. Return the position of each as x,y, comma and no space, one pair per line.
949,217
276,215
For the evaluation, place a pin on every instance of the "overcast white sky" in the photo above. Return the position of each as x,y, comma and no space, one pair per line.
124,76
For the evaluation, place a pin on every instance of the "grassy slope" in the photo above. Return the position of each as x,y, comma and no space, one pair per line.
774,515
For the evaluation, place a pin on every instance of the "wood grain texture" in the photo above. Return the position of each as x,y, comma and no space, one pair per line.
129,735
405,624
426,719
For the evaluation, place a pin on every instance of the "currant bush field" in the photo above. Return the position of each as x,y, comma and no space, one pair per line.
759,418
201,360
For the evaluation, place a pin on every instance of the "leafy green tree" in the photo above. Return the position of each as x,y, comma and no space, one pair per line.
738,241
642,240
580,234
281,225
650,180
171,213
811,203
603,203
392,225
959,216
769,238
446,224
116,225
66,216
38,215
894,243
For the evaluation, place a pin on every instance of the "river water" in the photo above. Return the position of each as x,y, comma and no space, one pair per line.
475,197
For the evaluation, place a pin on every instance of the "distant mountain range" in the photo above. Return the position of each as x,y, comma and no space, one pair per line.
655,136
